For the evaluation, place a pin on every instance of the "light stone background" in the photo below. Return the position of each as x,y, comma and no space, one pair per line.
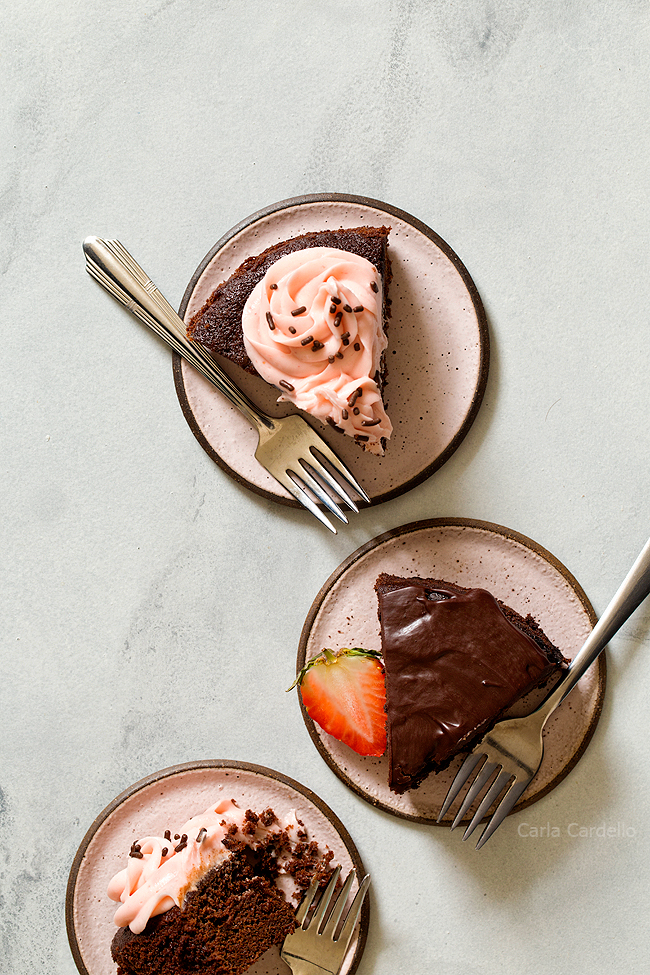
151,606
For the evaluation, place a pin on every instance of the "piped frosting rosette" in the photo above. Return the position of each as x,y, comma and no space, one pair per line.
162,869
313,327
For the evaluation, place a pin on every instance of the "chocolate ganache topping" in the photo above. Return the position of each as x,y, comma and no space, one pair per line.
454,664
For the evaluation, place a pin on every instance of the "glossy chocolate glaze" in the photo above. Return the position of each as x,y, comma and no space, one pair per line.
454,664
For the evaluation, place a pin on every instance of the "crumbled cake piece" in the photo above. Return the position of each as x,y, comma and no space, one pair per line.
218,899
227,922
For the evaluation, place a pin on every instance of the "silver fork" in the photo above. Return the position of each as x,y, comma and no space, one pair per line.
289,449
514,748
315,947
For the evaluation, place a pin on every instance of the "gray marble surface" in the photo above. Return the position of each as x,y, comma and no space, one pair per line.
152,607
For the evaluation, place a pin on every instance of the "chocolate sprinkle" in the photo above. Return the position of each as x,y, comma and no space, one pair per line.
346,308
344,414
299,311
269,318
356,411
357,347
182,844
374,286
167,835
308,339
360,436
337,319
336,301
292,330
330,358
353,397
286,385
202,833
316,346
164,851
339,355
370,423
357,308
274,287
332,309
135,852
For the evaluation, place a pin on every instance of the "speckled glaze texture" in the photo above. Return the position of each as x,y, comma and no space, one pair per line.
164,800
471,554
437,357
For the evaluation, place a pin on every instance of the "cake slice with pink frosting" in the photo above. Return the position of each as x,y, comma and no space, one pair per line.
309,316
213,895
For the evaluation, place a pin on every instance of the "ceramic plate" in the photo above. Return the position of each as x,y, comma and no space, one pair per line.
172,796
437,355
473,554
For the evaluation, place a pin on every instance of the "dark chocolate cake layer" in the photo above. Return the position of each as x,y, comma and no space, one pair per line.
217,326
456,659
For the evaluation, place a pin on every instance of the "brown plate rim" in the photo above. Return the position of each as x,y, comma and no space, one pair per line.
321,805
481,317
441,523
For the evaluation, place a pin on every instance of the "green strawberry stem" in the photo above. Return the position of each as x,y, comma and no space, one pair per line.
328,657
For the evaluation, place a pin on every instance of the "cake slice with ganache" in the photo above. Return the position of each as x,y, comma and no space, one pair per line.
456,660
309,315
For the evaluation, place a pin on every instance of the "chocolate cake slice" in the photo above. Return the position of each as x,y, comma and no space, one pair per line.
217,326
456,660
309,316
228,921
216,896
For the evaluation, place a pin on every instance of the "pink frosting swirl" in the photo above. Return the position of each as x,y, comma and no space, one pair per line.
161,871
313,328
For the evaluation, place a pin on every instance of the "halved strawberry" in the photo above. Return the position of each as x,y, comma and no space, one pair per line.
345,694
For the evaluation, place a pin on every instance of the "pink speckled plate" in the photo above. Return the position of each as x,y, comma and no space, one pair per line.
437,356
172,796
473,554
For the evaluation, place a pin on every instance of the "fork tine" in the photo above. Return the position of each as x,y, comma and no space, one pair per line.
492,793
307,901
306,477
347,931
340,468
325,901
502,810
300,495
461,778
315,467
474,790
332,922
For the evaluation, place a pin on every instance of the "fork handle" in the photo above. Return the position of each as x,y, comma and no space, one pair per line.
630,594
109,262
